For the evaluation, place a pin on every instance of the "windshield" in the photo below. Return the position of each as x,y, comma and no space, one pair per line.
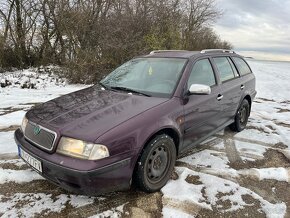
149,76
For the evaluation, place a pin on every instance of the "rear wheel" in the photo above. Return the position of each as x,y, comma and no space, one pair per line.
241,118
156,164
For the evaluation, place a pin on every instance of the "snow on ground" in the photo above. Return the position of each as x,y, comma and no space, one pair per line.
205,193
228,175
6,145
209,179
40,203
18,176
272,79
13,96
10,119
112,213
279,174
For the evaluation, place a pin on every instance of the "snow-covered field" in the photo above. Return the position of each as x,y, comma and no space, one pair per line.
243,174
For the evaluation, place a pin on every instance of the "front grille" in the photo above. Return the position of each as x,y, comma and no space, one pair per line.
40,136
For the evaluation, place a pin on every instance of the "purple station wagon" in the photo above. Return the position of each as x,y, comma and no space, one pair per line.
134,124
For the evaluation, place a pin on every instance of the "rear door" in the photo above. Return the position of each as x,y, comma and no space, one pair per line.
230,87
201,112
247,78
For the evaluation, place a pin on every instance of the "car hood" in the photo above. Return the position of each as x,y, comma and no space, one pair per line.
88,113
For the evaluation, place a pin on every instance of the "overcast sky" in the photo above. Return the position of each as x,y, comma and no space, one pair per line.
257,28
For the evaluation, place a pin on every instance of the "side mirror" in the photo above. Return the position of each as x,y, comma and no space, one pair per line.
199,89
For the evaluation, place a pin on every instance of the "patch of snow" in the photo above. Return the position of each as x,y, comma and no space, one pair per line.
206,193
18,176
250,148
7,143
272,79
31,204
112,213
48,86
256,135
207,158
30,78
80,200
169,212
16,162
279,174
185,191
219,146
14,118
13,96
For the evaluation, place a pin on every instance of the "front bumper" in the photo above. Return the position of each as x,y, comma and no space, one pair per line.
71,174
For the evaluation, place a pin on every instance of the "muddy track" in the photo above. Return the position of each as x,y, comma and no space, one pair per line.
240,157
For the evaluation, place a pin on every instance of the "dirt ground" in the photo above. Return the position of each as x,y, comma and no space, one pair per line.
239,152
139,204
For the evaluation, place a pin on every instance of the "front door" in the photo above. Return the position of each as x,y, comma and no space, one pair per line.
201,113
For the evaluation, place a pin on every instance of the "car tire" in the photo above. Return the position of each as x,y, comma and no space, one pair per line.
155,164
241,117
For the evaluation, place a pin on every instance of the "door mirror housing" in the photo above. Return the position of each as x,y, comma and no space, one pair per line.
199,89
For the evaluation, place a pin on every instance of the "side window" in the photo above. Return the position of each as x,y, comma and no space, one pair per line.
242,66
202,73
233,67
224,67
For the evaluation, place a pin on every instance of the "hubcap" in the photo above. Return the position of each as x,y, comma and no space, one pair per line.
157,164
243,115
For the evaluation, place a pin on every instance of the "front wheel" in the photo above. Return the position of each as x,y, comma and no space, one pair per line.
156,164
241,118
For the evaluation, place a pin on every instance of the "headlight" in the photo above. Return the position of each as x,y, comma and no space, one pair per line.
80,149
24,124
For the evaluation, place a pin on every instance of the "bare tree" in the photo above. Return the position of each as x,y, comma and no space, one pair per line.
90,37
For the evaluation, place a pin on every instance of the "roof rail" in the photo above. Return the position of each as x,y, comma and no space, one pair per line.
217,50
160,51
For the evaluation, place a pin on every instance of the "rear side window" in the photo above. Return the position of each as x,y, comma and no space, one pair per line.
242,66
202,73
233,67
224,67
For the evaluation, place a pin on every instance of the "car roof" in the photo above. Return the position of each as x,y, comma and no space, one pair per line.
188,54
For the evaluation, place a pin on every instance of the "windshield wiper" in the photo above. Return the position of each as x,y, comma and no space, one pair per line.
104,86
129,90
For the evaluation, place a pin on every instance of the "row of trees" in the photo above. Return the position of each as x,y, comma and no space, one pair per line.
90,37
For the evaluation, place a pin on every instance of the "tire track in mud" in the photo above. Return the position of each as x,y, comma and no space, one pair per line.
135,199
249,179
186,207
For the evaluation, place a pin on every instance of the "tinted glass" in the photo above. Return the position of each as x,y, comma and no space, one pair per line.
242,66
202,73
153,76
224,67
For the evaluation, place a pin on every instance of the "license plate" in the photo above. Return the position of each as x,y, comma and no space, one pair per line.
36,164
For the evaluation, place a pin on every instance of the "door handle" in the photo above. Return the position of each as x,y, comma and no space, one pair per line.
219,97
242,87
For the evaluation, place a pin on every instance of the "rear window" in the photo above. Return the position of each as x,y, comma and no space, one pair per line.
225,69
242,66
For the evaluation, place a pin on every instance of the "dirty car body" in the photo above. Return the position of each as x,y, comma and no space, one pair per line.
117,124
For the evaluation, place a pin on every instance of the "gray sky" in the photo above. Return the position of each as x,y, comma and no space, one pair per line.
257,28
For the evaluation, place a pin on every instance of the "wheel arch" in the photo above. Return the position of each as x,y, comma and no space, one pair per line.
249,99
170,131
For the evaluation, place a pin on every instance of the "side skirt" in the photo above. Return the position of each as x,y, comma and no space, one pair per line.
187,148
